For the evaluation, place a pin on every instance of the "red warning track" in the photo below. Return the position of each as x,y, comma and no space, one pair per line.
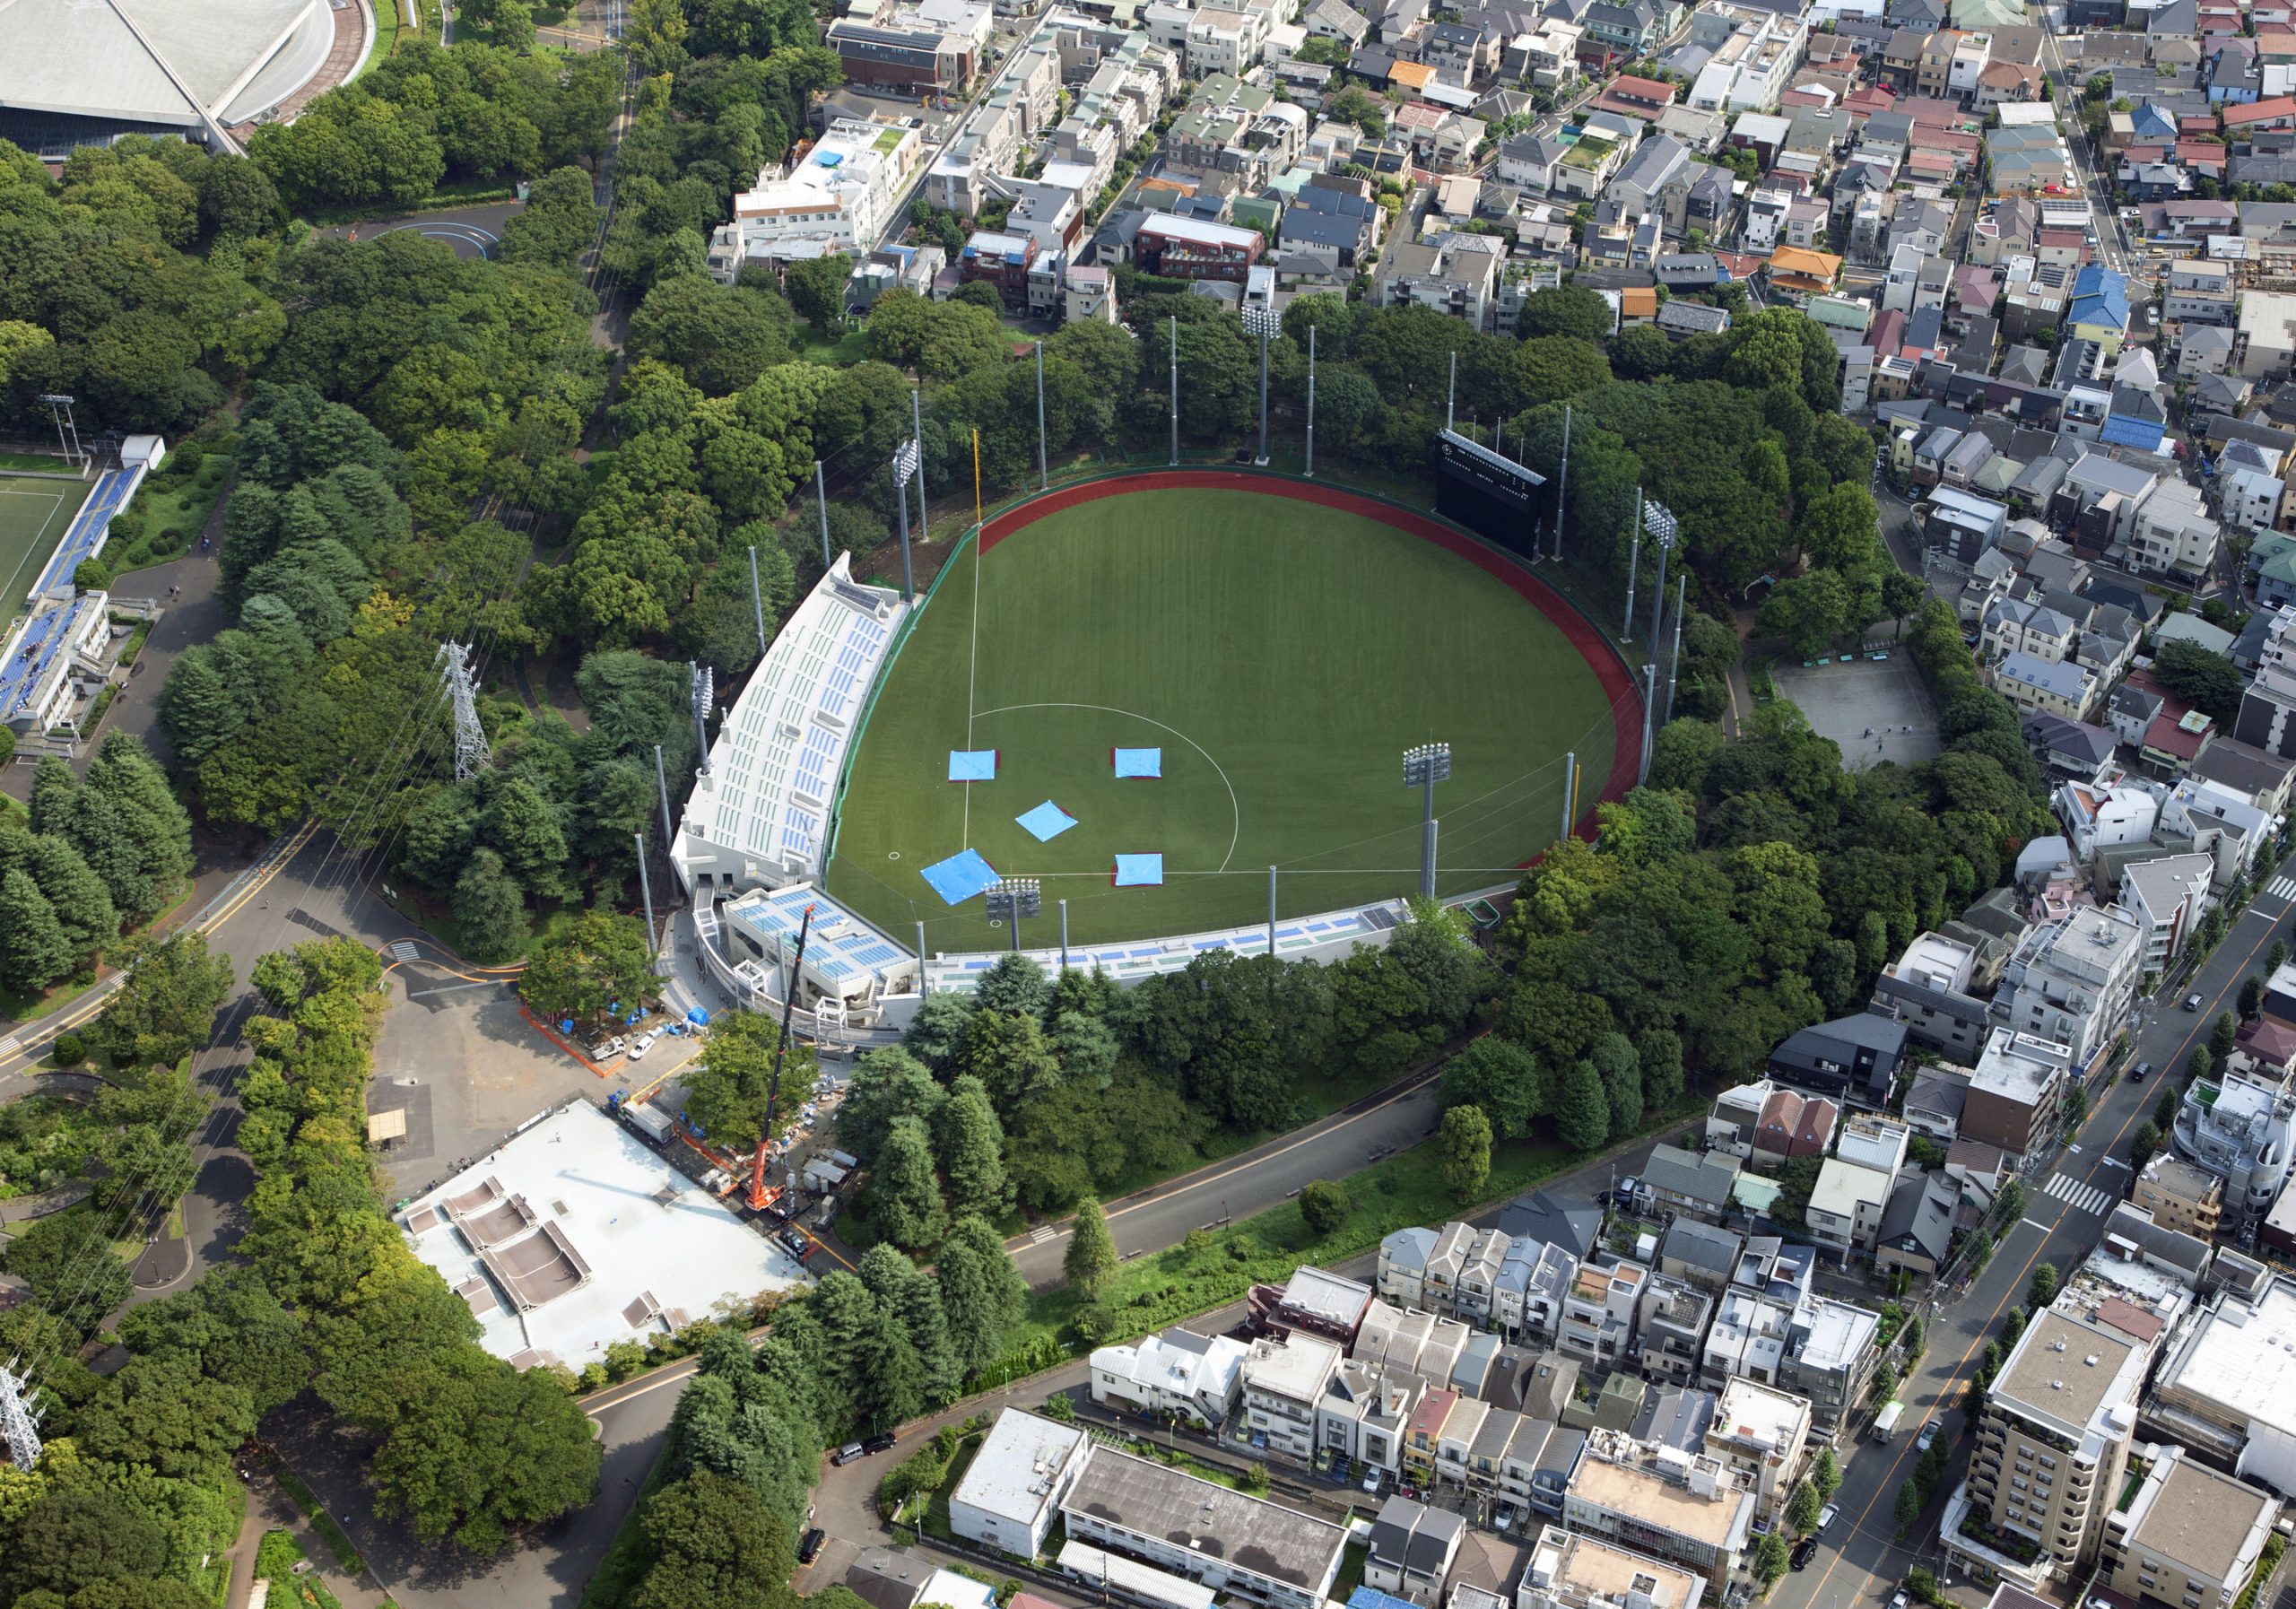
1618,683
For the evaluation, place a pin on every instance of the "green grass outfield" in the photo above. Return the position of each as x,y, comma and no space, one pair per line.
1282,654
34,515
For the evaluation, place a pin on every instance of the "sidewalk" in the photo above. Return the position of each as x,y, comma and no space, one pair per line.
270,1509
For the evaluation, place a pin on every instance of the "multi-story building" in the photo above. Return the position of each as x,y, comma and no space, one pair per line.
1283,1383
1599,1312
1260,1551
2227,1387
2167,896
1831,1350
2189,1537
918,47
2073,982
1011,1491
1763,1433
839,197
1179,1372
1929,990
1687,1509
2051,1449
1412,1550
1847,1203
1189,249
1670,1329
1571,1571
2016,1093
2268,717
1752,63
1453,272
2181,1195
2237,1128
2173,534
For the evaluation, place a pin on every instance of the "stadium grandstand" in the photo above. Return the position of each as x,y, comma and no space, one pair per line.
80,72
759,812
37,685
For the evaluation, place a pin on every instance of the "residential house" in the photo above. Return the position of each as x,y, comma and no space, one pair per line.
1412,1550
2181,1195
2237,1128
1854,1059
1178,1373
1687,1184
1282,1382
1917,1228
1688,1510
2167,896
1671,1320
1011,1493
1764,1434
2072,983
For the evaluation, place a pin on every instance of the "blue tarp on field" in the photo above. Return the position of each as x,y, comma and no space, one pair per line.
1139,763
1047,820
1139,871
972,765
960,877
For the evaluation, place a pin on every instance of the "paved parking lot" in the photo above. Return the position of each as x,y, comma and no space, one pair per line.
1875,709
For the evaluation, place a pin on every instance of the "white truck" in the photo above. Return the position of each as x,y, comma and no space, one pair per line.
1885,1422
653,1123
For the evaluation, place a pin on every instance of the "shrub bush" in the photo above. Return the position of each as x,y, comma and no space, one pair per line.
70,1050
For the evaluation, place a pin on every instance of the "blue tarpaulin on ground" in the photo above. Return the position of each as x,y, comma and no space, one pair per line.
972,765
1139,871
1047,820
1139,763
960,877
698,1017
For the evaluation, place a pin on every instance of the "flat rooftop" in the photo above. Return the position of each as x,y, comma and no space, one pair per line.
2243,1358
2202,1519
2063,1370
1205,1517
1759,1414
1011,1474
1601,1571
1645,1495
574,1234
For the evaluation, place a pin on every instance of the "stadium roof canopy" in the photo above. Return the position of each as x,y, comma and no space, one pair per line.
201,67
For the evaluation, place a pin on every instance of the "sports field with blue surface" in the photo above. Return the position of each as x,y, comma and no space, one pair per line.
1282,645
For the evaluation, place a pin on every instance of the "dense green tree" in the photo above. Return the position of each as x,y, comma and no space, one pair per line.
1825,1474
2143,1142
982,1293
971,1150
1323,1205
166,1008
67,1262
82,904
904,1197
1566,310
1501,1078
1462,1152
1907,1510
2223,1034
482,1448
2208,682
489,909
1582,1112
603,958
886,1085
1090,1257
1802,1507
34,950
163,1412
232,1329
72,1535
1770,1558
713,1542
728,1085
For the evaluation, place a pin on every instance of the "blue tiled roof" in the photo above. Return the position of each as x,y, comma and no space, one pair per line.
2120,430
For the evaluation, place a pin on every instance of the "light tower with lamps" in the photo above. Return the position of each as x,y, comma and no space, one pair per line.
59,409
1264,322
1013,898
1423,766
906,462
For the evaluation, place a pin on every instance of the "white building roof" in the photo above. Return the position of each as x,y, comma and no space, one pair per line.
1012,1476
1843,1187
159,61
1178,1363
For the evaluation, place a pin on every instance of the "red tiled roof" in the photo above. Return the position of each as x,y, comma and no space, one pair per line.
1654,90
1815,1130
2269,1041
2129,1319
2260,111
2165,736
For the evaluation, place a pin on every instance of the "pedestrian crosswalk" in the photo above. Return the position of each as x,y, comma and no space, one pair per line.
2282,888
404,951
1042,1232
2082,1197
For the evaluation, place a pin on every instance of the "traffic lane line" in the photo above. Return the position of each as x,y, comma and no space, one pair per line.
1890,1479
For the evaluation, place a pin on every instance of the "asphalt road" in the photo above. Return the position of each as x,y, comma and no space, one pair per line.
1861,1560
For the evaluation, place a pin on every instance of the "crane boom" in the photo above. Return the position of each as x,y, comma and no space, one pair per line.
758,1198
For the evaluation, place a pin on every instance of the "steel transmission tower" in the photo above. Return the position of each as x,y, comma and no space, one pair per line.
471,753
19,1417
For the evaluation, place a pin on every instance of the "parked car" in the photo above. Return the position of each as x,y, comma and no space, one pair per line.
2192,1002
645,1043
1928,1434
1804,1552
848,1453
810,1548
879,1443
1825,1517
2137,1073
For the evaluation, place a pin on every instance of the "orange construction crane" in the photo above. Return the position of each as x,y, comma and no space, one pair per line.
760,1198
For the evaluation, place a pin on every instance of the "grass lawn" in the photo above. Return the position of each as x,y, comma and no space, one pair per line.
1281,654
843,352
1152,1292
386,28
33,517
164,521
39,463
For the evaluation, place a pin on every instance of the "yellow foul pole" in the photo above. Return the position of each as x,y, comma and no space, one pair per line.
976,477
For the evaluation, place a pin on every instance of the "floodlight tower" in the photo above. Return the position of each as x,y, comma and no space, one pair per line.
1661,522
1263,322
702,692
59,409
471,753
1013,898
758,1199
1310,471
905,464
1423,766
1044,478
1633,562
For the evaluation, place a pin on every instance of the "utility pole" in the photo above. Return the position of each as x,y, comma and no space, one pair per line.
1562,484
1064,936
1633,559
1569,775
1271,890
1674,658
1044,477
1451,394
757,604
646,887
1311,402
1176,391
820,501
661,781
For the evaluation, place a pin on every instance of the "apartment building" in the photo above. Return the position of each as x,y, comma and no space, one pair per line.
2073,982
2051,1448
1571,1571
1598,1313
1764,1434
1190,248
839,197
2227,1387
1283,1382
2167,897
2016,1093
1271,1555
1198,1378
1671,1320
2239,1128
916,46
1687,1509
1012,1491
1930,989
2190,1538
2181,1195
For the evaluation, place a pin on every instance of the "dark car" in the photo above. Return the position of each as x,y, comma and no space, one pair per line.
1804,1552
2137,1073
878,1443
811,1547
